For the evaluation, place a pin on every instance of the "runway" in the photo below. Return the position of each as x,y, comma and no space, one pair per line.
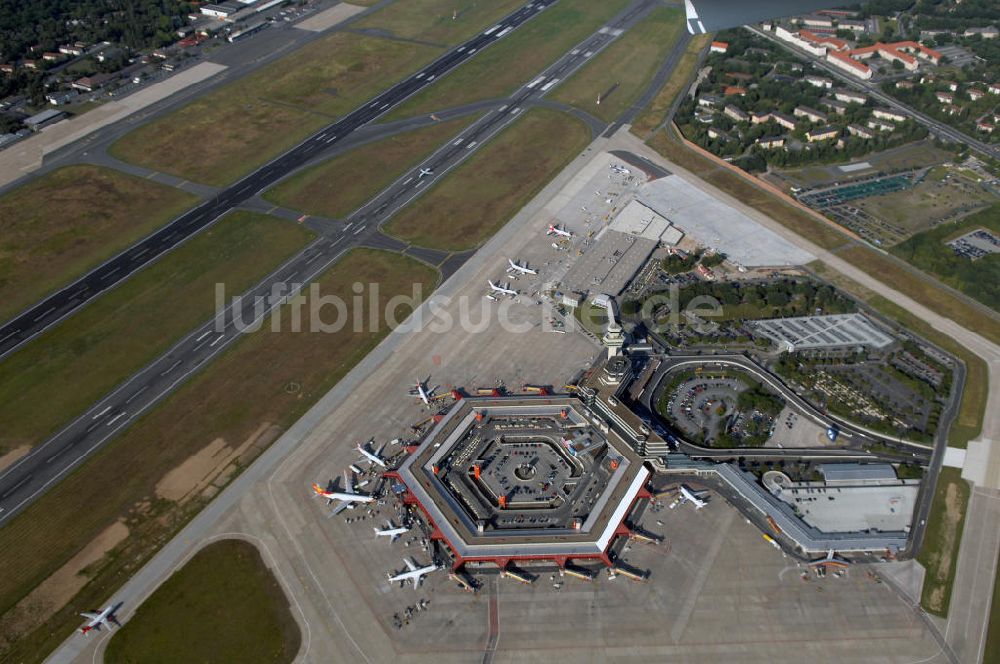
64,302
47,463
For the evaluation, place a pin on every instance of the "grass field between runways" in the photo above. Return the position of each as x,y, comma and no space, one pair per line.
437,21
209,428
466,208
223,605
227,133
60,373
939,554
623,70
514,60
59,225
337,187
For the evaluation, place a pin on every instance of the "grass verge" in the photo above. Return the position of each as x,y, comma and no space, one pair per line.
235,408
439,21
978,279
70,366
463,210
621,72
341,185
654,114
227,133
223,605
56,227
939,554
513,60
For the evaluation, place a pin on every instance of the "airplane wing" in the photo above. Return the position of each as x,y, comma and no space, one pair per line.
715,15
338,509
91,615
348,484
409,565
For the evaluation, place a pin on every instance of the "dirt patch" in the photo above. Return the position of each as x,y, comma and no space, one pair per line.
953,513
53,593
199,470
8,459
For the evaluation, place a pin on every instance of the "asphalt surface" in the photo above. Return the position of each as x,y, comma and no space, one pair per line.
47,463
63,302
933,457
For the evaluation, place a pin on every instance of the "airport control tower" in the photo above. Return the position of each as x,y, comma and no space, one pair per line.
614,336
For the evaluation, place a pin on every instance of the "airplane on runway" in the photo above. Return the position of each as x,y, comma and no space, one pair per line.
503,290
373,457
714,15
347,497
426,171
555,230
696,498
422,393
514,267
390,532
103,618
413,573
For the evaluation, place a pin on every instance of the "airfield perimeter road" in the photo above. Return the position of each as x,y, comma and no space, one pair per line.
46,463
63,302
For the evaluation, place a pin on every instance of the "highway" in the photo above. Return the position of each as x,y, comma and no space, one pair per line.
65,301
49,461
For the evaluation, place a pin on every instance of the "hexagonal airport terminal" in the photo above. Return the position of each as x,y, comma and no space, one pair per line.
524,478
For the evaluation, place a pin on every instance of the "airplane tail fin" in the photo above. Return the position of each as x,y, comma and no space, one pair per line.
86,629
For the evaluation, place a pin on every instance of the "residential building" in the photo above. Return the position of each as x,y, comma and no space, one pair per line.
783,120
881,125
832,43
990,32
834,105
822,134
70,49
945,97
816,21
951,109
819,81
793,38
852,24
984,126
976,94
734,91
811,113
771,142
719,47
994,89
715,132
851,97
848,64
709,101
889,114
860,132
737,114
50,56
